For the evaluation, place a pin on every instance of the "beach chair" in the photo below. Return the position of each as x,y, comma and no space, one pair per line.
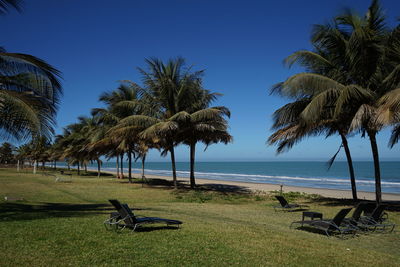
377,220
331,226
125,218
62,179
284,205
362,207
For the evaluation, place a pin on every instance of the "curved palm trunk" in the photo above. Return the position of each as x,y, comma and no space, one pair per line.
98,168
350,164
122,166
192,160
79,170
130,166
117,167
172,152
69,166
375,155
85,168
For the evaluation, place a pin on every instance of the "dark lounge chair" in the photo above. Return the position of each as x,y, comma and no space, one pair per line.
355,219
377,220
125,218
330,226
284,205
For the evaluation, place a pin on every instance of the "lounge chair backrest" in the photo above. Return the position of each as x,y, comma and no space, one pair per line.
123,211
369,208
340,216
362,206
117,205
377,213
282,200
129,212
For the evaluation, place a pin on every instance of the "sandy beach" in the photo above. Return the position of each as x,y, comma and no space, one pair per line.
332,193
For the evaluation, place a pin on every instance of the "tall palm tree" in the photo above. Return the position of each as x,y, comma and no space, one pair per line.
123,102
171,88
367,56
207,126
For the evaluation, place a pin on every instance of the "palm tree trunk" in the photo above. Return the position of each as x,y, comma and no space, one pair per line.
34,167
192,160
98,168
85,168
130,166
118,167
173,167
79,170
55,164
122,166
43,163
69,167
375,154
143,160
350,164
18,166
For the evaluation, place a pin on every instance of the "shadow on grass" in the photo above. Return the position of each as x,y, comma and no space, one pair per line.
155,228
321,232
23,211
183,186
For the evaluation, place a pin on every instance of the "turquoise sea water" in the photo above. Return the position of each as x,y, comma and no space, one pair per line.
308,174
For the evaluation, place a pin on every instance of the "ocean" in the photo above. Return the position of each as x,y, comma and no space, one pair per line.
307,173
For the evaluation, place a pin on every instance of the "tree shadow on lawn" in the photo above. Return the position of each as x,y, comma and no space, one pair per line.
184,186
23,211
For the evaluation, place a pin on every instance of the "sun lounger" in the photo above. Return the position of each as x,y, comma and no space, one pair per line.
284,205
330,226
60,179
125,218
355,219
377,220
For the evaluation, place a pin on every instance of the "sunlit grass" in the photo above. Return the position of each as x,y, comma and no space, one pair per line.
62,224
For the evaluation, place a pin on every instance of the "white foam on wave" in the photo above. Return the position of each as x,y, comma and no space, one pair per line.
259,178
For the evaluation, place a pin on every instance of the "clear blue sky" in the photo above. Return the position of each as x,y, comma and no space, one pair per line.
240,44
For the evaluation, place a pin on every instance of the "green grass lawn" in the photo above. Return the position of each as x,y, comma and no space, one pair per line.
62,224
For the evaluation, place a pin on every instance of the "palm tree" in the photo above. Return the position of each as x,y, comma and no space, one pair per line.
365,69
207,126
5,5
171,88
29,91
